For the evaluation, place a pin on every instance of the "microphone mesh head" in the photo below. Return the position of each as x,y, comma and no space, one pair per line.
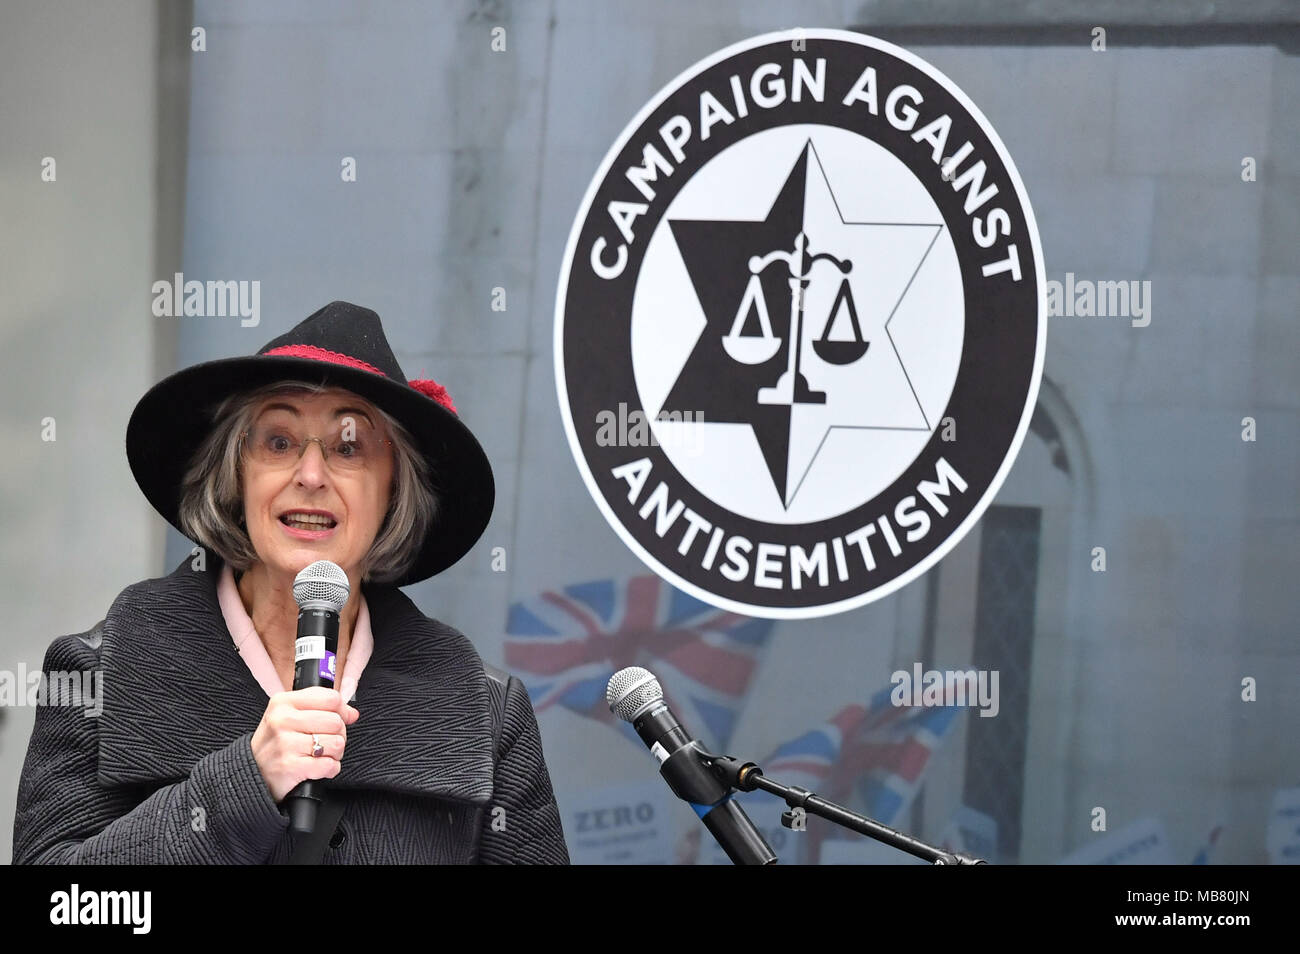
322,582
630,690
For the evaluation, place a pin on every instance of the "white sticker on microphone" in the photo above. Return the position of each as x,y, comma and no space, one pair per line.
659,752
308,647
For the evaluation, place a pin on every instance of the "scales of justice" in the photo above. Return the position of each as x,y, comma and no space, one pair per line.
792,387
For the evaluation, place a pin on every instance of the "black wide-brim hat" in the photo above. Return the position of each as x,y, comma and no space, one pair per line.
342,345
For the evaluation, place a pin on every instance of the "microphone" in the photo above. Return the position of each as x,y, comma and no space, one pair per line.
635,696
320,590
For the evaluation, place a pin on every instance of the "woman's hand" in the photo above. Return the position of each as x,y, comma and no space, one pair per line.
282,743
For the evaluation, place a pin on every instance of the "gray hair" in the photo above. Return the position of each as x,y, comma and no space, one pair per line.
212,507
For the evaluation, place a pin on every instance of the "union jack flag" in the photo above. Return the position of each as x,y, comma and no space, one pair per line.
878,752
1203,856
565,644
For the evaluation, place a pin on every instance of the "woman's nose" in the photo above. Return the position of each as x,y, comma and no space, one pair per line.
311,465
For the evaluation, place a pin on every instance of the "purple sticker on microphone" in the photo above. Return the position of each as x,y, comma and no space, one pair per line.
327,666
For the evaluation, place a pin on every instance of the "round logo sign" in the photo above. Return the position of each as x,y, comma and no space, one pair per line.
800,325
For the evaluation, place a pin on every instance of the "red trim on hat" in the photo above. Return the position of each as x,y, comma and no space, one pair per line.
432,389
321,354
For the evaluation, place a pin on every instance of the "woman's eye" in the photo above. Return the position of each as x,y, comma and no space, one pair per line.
278,443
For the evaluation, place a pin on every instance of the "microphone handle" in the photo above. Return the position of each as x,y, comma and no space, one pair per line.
732,829
314,649
682,765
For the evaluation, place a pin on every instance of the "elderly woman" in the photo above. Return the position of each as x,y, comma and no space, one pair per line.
316,448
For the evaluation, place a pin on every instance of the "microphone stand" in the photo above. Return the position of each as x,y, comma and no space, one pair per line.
747,776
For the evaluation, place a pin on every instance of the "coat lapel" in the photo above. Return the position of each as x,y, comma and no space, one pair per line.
176,689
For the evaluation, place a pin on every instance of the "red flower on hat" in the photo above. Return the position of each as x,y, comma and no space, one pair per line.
431,388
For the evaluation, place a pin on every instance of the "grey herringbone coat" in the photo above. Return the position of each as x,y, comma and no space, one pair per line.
166,773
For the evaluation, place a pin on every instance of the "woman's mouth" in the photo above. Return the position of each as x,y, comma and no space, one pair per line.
308,524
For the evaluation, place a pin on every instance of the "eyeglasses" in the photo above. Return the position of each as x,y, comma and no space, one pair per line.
351,444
